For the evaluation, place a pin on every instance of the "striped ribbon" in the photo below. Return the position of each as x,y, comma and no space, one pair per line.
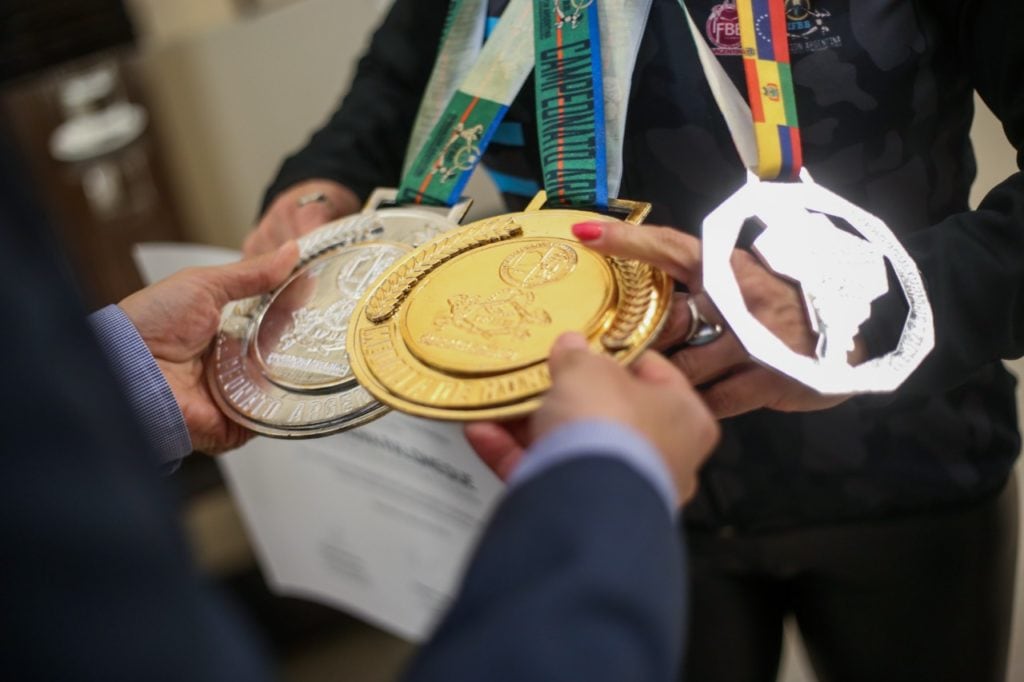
570,102
464,30
765,44
455,124
443,162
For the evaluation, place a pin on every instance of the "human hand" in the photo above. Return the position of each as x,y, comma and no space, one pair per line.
730,381
288,217
651,397
178,317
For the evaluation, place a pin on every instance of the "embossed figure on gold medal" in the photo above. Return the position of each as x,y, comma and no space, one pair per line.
539,264
505,312
500,306
461,328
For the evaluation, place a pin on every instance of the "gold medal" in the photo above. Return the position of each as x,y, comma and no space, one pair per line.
461,327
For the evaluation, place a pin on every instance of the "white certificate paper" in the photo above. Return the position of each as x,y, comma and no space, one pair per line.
378,521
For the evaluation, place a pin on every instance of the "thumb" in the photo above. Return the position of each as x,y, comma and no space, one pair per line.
254,276
568,350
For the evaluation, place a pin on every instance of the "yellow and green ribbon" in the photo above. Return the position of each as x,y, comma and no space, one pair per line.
764,40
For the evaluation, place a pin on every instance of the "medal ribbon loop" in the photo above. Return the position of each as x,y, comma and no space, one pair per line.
765,43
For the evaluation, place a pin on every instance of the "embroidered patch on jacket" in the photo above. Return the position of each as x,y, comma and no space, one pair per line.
808,28
723,29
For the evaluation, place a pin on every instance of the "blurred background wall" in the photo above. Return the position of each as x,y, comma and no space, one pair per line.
234,99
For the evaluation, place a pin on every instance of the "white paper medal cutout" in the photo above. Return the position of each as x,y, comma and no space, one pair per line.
839,274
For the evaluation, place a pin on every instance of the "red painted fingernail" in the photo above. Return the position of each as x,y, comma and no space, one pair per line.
587,231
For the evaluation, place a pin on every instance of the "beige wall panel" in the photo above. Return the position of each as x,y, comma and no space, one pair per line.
232,102
996,158
161,21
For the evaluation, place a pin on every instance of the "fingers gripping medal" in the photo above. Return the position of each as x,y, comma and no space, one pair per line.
460,329
840,271
280,366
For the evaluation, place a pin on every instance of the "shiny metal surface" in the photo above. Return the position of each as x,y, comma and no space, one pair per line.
839,273
460,329
280,365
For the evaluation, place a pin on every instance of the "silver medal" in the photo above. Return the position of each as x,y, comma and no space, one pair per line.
279,362
839,274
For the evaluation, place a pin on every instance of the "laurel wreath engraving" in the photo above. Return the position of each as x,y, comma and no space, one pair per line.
389,294
353,230
637,287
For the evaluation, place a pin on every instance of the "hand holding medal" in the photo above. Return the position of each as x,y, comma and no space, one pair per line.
731,381
792,309
298,211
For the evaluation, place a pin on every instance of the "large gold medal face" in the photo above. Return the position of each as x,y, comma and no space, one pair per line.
461,328
525,293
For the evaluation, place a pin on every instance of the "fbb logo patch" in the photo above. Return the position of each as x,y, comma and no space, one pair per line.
723,29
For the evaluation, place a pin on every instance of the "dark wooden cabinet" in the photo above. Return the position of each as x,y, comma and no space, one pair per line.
103,204
38,34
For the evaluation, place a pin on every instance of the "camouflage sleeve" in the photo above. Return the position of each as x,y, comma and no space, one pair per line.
363,143
973,262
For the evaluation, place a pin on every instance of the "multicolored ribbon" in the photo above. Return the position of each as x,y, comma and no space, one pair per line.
454,125
765,44
451,151
464,30
570,102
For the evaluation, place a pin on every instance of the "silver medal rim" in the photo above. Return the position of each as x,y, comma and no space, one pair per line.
721,230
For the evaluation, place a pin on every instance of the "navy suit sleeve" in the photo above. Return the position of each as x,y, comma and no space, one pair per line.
96,579
578,577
